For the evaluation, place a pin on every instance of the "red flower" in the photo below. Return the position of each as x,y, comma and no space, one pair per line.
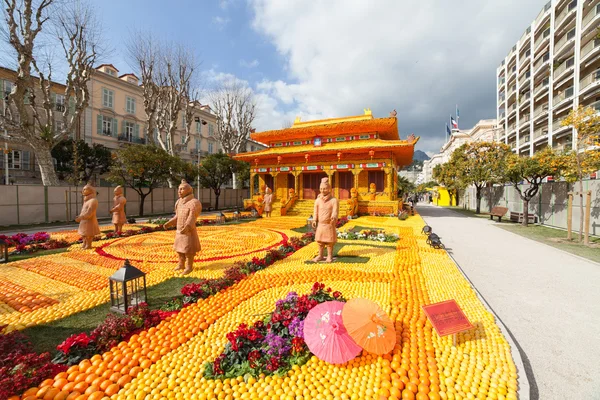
336,295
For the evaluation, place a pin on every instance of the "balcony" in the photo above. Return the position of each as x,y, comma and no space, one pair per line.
591,81
512,109
524,79
543,14
541,64
501,82
541,110
563,96
542,40
524,120
590,17
524,140
524,99
59,107
502,115
589,49
542,131
511,128
198,152
565,15
131,139
542,87
513,145
564,69
565,42
525,60
557,127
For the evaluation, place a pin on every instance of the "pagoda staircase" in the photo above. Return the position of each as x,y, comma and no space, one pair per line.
305,208
276,209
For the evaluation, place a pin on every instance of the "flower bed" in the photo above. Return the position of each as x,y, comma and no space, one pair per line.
274,344
373,234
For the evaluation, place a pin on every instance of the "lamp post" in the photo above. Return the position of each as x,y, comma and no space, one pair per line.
202,122
6,180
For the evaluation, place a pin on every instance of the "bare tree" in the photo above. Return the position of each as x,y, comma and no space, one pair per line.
30,108
169,74
235,108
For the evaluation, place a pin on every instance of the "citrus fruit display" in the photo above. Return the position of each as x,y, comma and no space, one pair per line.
167,361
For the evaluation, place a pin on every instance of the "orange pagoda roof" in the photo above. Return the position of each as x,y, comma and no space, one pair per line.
386,128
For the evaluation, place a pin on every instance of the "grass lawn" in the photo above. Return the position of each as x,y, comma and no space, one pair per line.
46,337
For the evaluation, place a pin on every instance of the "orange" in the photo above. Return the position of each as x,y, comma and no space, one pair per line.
50,393
407,395
73,395
112,389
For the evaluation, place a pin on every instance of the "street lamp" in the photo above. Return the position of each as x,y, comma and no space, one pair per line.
202,122
6,180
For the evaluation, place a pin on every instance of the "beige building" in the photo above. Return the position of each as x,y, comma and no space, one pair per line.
115,117
484,131
553,68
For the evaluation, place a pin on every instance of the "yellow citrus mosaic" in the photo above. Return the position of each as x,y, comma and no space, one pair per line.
166,362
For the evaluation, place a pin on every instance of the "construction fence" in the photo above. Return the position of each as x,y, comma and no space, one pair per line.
33,204
549,205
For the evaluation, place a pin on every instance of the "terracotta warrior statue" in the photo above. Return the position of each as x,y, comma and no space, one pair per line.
353,203
187,244
88,223
268,201
325,219
118,211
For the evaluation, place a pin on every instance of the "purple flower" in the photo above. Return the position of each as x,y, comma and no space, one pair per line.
291,296
296,327
279,303
277,345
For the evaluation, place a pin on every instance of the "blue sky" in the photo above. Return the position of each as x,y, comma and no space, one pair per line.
331,58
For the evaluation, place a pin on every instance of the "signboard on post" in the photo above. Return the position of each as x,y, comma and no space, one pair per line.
447,318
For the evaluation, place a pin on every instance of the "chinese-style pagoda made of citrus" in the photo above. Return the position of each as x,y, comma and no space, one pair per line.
361,156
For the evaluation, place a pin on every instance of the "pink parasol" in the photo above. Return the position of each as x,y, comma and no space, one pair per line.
325,335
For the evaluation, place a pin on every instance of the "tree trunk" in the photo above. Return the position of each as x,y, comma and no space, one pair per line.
142,199
44,161
217,194
235,183
525,213
581,210
478,198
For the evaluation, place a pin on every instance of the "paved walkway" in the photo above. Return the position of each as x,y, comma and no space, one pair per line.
548,299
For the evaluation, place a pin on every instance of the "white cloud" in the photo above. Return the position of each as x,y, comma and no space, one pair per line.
220,22
420,58
249,64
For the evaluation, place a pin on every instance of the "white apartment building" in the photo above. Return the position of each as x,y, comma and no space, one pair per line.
553,68
484,131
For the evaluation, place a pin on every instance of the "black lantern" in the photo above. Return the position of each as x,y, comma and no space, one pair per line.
127,288
3,251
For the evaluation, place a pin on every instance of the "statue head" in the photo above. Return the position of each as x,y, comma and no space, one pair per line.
118,190
372,188
262,188
325,187
268,190
291,192
88,190
184,189
353,193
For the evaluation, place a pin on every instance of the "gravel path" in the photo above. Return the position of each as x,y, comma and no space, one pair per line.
548,299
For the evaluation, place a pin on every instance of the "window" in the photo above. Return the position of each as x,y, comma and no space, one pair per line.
182,139
572,5
211,131
8,86
251,148
130,105
58,127
27,99
132,80
59,102
18,160
571,34
105,125
183,123
129,131
211,148
198,124
570,62
110,71
107,98
378,178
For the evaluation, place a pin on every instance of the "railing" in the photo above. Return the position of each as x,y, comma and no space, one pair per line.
567,36
544,36
563,67
541,109
539,132
543,12
501,82
512,90
589,16
588,80
502,98
567,93
561,17
59,107
587,49
541,62
512,127
525,139
131,139
556,124
502,115
512,108
289,203
595,105
524,79
524,119
541,87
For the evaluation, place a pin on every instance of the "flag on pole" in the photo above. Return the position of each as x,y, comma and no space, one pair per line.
454,123
448,131
457,115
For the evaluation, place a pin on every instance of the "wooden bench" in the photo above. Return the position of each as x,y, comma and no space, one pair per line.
498,212
206,206
518,217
